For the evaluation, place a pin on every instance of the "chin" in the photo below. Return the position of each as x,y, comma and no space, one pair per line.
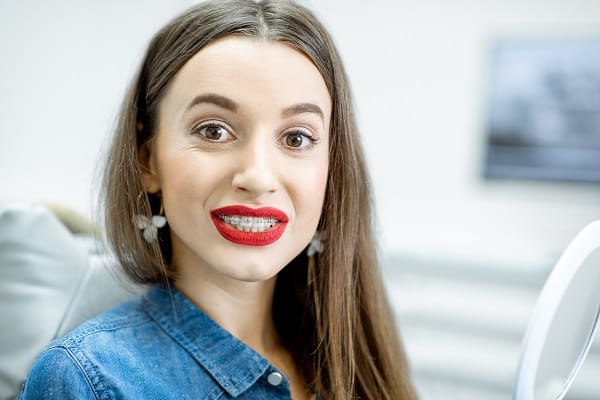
256,274
256,264
248,270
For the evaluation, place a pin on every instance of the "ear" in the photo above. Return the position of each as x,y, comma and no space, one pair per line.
146,161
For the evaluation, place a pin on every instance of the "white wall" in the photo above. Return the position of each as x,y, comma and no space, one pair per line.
419,69
418,72
65,66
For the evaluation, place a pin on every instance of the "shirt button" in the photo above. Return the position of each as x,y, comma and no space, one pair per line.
275,378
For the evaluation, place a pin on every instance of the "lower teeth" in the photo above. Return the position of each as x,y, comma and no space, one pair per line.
251,229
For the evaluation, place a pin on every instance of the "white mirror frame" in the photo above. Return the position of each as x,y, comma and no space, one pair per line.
549,301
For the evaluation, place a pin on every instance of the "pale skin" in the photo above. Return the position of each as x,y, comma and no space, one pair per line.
244,122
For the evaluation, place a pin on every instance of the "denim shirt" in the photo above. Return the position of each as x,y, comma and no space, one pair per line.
159,346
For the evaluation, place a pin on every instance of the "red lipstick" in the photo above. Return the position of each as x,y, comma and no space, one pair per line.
249,226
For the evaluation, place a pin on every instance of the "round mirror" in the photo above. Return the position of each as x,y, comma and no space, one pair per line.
564,321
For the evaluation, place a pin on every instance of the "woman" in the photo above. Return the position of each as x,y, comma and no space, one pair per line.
236,185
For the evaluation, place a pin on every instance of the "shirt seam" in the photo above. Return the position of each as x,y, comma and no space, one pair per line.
121,323
82,370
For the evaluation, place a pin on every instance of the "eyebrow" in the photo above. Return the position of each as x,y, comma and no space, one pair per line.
228,104
303,108
215,99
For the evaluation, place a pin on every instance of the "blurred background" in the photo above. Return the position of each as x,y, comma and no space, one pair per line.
481,123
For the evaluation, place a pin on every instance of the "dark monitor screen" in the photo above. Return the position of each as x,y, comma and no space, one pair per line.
544,110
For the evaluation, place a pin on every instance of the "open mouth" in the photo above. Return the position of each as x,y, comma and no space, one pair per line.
250,226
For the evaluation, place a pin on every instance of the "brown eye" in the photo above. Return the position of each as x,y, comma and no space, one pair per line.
213,133
294,140
298,139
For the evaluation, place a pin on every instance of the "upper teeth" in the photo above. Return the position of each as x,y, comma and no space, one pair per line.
249,224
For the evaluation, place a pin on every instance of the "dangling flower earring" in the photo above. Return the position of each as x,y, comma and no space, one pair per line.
316,244
149,226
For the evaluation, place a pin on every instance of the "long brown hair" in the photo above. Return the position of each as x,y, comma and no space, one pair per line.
331,312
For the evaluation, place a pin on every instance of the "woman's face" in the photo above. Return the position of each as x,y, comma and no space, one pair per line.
240,158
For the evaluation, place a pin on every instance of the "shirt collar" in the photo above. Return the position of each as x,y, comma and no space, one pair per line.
232,363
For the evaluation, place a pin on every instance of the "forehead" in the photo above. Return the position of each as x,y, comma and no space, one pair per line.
251,72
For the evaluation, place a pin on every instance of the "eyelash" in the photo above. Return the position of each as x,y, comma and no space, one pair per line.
304,133
196,130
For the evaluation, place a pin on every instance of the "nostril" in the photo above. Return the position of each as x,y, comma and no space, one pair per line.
256,181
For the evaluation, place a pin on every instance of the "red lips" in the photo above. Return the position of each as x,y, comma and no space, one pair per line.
234,235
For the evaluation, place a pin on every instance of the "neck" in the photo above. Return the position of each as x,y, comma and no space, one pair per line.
244,309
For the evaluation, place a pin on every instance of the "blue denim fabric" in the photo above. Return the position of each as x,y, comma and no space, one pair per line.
159,346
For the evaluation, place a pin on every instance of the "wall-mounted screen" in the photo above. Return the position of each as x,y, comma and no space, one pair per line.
544,110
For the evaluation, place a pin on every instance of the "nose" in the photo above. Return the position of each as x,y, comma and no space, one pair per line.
255,173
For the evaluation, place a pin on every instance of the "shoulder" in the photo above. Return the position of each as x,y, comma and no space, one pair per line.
124,353
98,332
107,338
76,365
128,316
57,375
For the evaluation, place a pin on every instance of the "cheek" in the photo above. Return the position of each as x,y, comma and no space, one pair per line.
188,177
310,192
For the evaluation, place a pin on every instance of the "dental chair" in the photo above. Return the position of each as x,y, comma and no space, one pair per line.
54,275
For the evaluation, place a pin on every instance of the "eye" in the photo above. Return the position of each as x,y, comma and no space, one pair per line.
213,132
298,140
